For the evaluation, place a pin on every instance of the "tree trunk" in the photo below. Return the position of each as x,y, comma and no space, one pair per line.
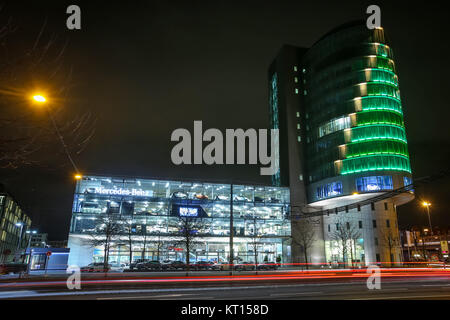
306,259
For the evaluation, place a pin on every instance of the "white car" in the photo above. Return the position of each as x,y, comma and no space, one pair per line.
117,267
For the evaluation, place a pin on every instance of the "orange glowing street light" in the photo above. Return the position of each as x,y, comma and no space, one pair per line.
78,177
39,98
427,205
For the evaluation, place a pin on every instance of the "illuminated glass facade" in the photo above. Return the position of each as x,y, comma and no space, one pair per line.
353,105
149,210
340,109
10,233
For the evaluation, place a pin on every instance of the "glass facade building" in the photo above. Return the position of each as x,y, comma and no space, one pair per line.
149,211
338,105
12,235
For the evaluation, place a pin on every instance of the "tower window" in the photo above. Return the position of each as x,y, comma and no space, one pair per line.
298,126
388,223
298,114
374,223
299,139
360,224
296,91
295,68
372,206
385,206
295,79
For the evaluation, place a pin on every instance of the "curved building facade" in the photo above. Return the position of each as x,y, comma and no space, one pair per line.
347,128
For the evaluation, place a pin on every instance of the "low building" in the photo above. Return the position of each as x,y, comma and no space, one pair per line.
39,240
142,219
420,244
14,224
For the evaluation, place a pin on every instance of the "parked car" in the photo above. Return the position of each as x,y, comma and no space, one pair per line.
200,196
241,198
96,267
270,265
135,262
222,266
203,265
7,268
274,200
149,266
223,198
258,199
117,267
177,265
244,266
179,195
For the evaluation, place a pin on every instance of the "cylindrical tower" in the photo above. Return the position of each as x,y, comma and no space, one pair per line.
356,141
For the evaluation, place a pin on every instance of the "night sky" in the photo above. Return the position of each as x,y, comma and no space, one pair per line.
146,68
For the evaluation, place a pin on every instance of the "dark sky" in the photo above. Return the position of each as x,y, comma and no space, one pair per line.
148,67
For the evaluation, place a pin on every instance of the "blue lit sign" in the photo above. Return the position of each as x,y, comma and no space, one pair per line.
188,212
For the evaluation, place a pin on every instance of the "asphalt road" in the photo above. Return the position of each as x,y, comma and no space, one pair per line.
400,287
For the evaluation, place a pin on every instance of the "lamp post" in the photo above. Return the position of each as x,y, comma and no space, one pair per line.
427,205
38,98
19,224
30,232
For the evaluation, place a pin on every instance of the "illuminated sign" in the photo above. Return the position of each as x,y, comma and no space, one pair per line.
444,246
188,212
124,192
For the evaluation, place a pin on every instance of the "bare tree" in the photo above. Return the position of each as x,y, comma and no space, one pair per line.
188,229
255,242
305,237
344,234
28,133
391,241
107,228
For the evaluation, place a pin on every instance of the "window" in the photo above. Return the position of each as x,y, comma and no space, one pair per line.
295,79
329,190
388,223
305,92
374,183
385,206
295,68
334,125
372,206
299,139
348,225
374,223
337,226
298,114
407,181
359,207
296,91
378,257
360,224
298,126
300,177
329,228
376,241
304,70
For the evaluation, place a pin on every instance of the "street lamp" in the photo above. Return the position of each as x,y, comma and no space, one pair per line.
427,205
30,232
39,98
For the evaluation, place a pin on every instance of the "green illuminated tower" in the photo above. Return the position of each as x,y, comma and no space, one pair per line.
350,138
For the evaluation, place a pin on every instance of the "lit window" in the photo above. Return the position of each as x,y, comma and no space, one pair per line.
295,79
298,114
295,68
299,139
374,183
298,126
334,125
300,177
304,70
329,190
296,91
